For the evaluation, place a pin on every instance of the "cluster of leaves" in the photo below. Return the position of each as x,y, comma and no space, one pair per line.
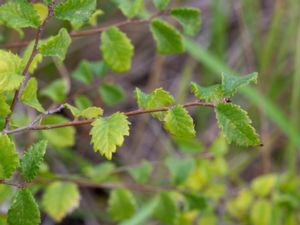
107,132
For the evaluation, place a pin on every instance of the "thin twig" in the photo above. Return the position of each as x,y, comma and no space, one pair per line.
89,121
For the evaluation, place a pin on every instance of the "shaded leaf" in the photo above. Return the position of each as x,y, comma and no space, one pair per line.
111,94
29,95
141,172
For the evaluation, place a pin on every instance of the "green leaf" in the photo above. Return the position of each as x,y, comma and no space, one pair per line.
166,211
157,99
60,199
239,206
56,45
161,4
102,172
4,107
83,72
122,204
36,60
9,160
10,71
111,94
179,122
168,39
130,8
208,94
236,125
24,209
195,201
180,169
108,133
56,91
82,102
32,159
141,172
263,185
29,95
232,83
117,49
76,11
19,14
189,18
88,113
61,137
261,213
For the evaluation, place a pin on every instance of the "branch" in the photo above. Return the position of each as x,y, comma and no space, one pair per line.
89,121
93,31
25,72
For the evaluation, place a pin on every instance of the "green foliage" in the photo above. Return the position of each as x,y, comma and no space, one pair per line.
130,8
179,123
83,72
29,95
122,204
19,14
9,160
75,11
180,169
111,94
189,18
208,94
62,137
166,210
10,71
108,133
263,185
87,113
232,83
116,49
36,60
142,172
24,210
56,91
56,45
4,107
156,99
236,125
168,39
32,159
59,199
161,4
261,213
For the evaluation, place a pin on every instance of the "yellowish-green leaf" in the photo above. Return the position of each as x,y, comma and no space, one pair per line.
117,49
232,83
88,113
130,8
60,199
10,71
36,60
24,209
29,95
9,159
239,206
208,94
4,107
19,14
179,123
189,18
263,185
108,133
42,10
261,212
168,39
236,125
122,204
56,45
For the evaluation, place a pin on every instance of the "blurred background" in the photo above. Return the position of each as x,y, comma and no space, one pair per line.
238,185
